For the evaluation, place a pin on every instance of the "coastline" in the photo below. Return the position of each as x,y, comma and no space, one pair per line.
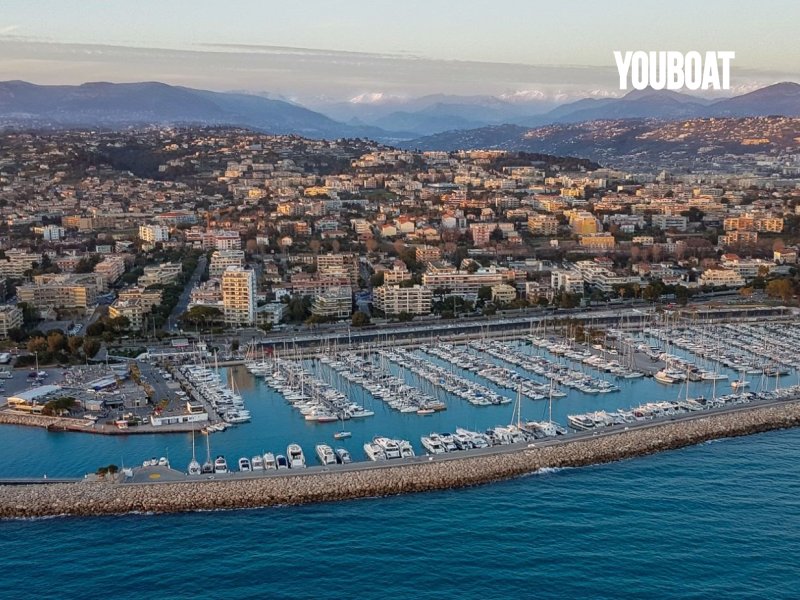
94,499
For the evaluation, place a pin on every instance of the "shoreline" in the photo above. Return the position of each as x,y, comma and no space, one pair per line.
95,499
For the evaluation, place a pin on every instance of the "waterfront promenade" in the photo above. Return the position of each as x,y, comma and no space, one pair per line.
416,475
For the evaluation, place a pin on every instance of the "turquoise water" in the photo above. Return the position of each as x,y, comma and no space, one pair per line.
32,452
720,520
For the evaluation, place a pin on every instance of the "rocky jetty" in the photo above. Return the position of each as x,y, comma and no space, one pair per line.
86,499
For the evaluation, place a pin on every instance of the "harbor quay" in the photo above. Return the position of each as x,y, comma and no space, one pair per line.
358,481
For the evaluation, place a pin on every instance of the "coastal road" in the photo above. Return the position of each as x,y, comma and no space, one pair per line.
183,302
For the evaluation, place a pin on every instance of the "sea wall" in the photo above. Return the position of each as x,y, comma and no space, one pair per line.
85,499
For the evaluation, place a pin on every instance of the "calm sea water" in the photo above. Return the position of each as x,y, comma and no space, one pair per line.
720,520
31,452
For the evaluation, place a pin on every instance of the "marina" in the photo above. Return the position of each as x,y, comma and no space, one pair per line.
517,388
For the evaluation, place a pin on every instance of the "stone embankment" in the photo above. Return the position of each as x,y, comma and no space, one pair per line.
85,499
9,417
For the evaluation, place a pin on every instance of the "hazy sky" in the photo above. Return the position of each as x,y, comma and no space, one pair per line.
341,48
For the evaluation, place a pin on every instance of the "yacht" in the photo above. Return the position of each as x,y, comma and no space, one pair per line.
343,456
462,441
406,450
580,422
220,465
740,384
244,465
257,463
295,456
432,444
325,454
374,451
390,447
281,462
341,435
269,461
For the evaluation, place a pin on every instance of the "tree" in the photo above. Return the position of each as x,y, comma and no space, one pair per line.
56,341
91,347
377,279
360,319
780,288
485,293
37,344
74,343
29,313
314,246
15,334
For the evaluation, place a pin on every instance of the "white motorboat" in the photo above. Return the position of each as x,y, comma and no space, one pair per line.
295,456
325,454
432,444
343,456
374,451
269,461
244,465
390,447
257,463
220,465
281,462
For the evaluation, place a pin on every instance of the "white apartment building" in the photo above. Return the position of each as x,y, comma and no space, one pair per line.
334,303
227,240
152,234
222,259
10,318
239,296
567,280
664,222
721,277
393,299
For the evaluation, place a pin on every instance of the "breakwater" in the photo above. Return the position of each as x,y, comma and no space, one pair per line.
87,499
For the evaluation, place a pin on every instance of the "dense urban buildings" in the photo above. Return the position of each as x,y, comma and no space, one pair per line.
308,231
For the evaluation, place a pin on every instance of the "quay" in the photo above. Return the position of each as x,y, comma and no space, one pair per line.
179,493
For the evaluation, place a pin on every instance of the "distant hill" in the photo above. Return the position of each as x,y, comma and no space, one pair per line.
615,141
120,104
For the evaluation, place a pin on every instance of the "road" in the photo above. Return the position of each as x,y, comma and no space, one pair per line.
183,302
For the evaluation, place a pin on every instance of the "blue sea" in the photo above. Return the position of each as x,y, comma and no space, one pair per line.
719,520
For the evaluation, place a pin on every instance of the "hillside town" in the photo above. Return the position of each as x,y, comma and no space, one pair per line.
155,233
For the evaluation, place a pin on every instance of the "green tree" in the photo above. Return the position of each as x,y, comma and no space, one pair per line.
360,319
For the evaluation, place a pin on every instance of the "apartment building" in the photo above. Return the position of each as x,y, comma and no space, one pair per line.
152,234
160,274
10,318
599,242
17,263
393,299
426,254
334,303
133,310
567,280
111,268
503,293
721,278
675,222
399,272
343,264
239,296
222,259
67,292
148,298
464,282
543,225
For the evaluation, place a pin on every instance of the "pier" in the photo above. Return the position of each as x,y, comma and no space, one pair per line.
415,475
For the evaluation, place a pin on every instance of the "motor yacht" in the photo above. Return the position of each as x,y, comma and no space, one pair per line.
295,456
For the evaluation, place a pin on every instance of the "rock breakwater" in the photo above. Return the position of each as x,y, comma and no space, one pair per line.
87,499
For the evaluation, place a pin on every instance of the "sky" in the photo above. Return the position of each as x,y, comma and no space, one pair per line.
332,50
